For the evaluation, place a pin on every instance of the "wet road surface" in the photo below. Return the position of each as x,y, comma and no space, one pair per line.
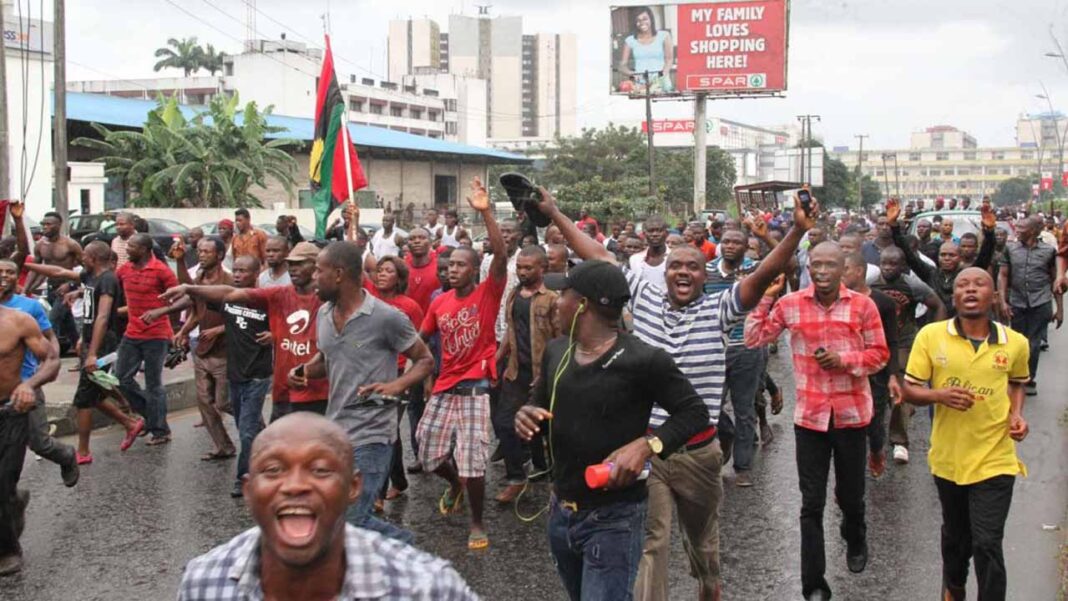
127,529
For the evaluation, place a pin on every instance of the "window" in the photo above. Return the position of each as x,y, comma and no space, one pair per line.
433,115
396,111
963,171
879,173
969,156
1027,155
942,156
1006,171
998,156
935,172
415,113
450,128
376,109
914,156
356,105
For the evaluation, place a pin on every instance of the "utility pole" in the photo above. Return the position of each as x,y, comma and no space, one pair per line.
649,130
59,124
886,176
700,153
5,158
860,172
806,137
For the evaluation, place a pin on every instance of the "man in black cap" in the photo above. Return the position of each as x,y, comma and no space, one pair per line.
594,399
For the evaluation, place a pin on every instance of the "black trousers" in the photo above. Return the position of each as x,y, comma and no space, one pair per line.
14,434
513,395
815,450
973,525
1032,322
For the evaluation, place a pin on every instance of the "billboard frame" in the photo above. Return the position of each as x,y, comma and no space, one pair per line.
680,94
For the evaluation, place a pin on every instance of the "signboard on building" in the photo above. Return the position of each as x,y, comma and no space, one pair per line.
718,48
1047,181
30,35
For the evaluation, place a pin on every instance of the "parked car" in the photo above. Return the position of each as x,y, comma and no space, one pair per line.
162,231
964,222
35,227
211,228
81,225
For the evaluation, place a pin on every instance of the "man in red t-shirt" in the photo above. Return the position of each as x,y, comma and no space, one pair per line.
422,265
291,312
456,422
144,278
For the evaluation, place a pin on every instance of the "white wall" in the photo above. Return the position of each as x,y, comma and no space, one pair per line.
284,79
195,217
38,90
89,177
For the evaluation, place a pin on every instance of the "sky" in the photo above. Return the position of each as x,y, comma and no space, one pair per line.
884,68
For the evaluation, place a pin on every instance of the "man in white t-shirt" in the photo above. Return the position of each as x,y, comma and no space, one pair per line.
432,226
650,263
388,240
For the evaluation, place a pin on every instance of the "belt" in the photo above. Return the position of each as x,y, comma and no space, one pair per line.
468,390
700,440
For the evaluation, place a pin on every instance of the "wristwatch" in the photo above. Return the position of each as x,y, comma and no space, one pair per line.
655,445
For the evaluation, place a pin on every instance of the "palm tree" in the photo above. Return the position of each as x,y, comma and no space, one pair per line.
211,59
184,54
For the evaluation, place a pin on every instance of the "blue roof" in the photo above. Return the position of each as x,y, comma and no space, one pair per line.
132,112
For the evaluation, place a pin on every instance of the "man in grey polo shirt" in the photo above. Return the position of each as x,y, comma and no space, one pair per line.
359,339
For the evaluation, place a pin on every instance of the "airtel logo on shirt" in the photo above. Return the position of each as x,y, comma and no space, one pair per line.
298,321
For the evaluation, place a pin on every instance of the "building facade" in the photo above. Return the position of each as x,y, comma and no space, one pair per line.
29,65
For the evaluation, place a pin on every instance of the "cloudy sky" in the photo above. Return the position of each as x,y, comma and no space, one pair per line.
878,67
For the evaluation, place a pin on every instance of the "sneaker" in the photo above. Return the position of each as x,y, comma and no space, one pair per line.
901,454
1031,389
10,564
236,492
158,440
877,464
857,559
742,480
70,472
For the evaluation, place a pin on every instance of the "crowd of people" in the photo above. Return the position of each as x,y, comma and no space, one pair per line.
628,367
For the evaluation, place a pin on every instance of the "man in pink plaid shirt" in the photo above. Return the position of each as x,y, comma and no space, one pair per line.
837,342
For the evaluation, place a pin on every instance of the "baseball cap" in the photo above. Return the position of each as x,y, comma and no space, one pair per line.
600,281
303,251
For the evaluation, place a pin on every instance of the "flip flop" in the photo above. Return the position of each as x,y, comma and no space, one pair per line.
477,542
447,505
131,435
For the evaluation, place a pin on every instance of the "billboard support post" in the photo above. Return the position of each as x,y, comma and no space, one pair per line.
700,153
649,129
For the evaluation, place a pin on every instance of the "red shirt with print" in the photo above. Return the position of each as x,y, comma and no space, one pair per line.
405,305
292,318
468,343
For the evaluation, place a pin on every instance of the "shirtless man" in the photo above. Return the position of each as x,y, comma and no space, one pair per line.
56,249
16,400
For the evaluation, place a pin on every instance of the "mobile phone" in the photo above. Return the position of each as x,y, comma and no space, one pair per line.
300,371
806,201
821,351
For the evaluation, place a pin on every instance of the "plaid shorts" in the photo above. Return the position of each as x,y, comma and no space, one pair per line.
457,425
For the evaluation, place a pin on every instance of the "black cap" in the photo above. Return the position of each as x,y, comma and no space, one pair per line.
601,282
524,197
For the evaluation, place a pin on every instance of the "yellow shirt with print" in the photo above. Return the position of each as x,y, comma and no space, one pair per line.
974,445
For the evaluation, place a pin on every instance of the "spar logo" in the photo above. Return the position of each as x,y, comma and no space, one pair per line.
735,81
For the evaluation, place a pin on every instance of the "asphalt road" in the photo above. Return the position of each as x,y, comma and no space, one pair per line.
127,529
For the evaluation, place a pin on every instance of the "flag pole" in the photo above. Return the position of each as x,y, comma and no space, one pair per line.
351,234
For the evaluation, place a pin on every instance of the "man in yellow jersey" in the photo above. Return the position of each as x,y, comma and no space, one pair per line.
977,370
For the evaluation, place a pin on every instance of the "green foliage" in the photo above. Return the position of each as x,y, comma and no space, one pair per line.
839,184
190,57
606,171
210,160
1013,190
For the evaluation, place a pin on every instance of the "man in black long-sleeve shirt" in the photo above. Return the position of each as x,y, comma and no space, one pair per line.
597,391
941,278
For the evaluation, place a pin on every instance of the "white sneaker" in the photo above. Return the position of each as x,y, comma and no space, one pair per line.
901,454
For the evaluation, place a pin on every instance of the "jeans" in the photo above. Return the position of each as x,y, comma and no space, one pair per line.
373,461
246,401
880,395
814,453
416,404
514,394
14,433
1032,322
689,481
744,369
40,441
973,526
596,551
151,402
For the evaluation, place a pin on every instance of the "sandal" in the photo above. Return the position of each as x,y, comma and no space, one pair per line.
394,493
132,434
217,456
158,440
477,542
447,505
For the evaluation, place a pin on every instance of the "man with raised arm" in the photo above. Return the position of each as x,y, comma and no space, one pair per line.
693,328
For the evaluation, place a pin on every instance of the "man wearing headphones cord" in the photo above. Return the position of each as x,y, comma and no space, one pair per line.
596,392
692,327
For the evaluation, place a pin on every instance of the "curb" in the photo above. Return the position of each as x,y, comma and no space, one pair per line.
181,394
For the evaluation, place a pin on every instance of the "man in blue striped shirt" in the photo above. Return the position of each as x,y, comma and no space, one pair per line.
693,328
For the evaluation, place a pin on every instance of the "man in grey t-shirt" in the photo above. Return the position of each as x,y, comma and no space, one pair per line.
359,339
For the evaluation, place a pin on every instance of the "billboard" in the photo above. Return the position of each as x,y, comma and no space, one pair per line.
719,48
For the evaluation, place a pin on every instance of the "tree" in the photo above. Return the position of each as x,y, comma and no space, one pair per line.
212,59
1012,191
870,191
839,184
606,171
184,54
210,160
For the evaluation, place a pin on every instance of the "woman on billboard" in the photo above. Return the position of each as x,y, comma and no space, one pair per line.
651,50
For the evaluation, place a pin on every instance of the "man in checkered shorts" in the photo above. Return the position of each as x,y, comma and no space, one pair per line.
454,432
